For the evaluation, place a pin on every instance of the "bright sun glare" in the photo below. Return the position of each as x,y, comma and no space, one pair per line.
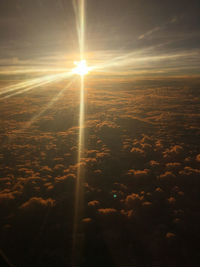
81,68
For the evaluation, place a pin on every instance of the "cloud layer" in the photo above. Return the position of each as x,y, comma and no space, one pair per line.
141,174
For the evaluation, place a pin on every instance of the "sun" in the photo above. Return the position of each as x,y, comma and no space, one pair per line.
81,68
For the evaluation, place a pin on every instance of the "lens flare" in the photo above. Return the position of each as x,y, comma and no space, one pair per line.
26,86
44,109
81,68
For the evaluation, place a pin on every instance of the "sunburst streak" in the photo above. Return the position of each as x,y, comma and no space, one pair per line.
26,86
81,70
44,109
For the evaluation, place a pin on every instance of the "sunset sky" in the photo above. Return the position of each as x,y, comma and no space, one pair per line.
150,37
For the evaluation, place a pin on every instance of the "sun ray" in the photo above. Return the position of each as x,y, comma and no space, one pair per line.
82,70
140,58
45,108
77,236
127,58
30,70
26,86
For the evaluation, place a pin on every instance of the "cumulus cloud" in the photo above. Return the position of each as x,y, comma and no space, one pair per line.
172,200
46,169
173,151
137,151
127,213
105,125
173,165
37,202
138,173
147,204
6,195
198,158
133,200
170,235
87,220
159,190
107,211
154,163
68,177
93,203
189,171
167,175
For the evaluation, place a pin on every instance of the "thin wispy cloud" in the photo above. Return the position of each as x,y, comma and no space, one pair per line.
158,28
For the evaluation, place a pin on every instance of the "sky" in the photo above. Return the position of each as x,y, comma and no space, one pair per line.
146,37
